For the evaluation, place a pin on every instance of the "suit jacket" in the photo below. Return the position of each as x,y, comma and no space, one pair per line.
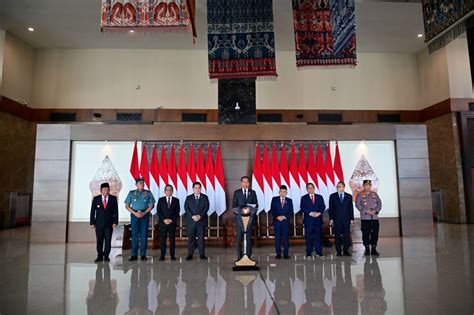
318,206
164,212
238,201
101,217
191,208
341,211
277,210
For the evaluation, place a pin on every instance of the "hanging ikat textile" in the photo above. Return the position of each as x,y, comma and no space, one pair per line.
147,14
324,32
241,41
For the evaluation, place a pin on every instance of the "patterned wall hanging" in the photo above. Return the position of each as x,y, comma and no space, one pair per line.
324,32
445,20
241,41
147,14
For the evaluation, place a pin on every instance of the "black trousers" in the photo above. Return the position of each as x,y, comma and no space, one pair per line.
370,232
104,238
167,231
196,229
344,228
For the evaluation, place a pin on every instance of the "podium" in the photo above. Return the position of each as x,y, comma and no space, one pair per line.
245,263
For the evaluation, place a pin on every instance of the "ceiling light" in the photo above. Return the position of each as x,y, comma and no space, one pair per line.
31,29
419,35
131,31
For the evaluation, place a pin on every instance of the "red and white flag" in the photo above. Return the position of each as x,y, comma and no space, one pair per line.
257,179
155,176
303,172
284,171
322,178
221,204
331,184
144,172
294,180
211,193
267,176
191,169
312,174
182,180
201,170
164,179
134,167
339,174
172,172
276,176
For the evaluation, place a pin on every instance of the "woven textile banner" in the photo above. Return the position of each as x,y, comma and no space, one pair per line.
147,14
241,41
442,15
324,32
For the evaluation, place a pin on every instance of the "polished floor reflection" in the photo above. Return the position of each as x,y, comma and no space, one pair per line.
412,276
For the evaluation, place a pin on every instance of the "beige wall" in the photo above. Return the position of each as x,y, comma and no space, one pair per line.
18,61
81,78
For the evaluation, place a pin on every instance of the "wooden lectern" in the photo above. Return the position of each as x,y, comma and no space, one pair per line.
245,263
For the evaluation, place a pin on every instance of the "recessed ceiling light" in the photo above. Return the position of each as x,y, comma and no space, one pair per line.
131,31
31,29
419,35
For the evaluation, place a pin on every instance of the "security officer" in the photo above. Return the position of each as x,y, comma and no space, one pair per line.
369,205
139,203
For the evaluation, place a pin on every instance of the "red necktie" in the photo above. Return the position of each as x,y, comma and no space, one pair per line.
312,199
104,202
282,203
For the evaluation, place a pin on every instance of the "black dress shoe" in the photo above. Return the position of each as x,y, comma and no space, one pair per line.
132,258
309,255
347,254
143,258
367,251
320,255
173,258
338,254
203,257
189,257
107,259
98,259
162,258
286,257
278,257
374,251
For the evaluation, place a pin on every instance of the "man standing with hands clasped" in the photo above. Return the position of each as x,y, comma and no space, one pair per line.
168,213
139,203
341,214
196,206
281,209
369,205
313,208
104,218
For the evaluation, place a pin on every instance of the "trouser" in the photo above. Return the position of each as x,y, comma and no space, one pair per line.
167,231
370,232
139,230
196,229
313,230
282,231
240,237
104,238
344,228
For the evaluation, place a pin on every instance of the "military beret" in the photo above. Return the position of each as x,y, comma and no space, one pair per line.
104,185
367,181
139,179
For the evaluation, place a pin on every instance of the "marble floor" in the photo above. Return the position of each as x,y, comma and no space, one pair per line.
412,276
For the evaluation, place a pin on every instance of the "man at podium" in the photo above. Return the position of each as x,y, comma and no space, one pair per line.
244,204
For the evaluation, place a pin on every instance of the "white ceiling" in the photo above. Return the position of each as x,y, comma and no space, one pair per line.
381,26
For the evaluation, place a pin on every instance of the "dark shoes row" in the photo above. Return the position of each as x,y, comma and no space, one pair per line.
144,258
373,252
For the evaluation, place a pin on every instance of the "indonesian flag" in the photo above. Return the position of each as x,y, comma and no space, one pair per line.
267,176
338,165
312,174
164,180
284,172
322,178
221,204
155,176
298,295
302,172
172,172
182,180
329,171
191,169
294,180
257,179
200,170
221,293
134,167
210,181
276,177
144,172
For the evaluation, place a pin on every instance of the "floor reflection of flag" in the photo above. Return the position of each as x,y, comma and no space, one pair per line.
298,296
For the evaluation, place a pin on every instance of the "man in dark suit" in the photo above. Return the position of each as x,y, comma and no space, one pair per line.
281,209
168,213
242,198
104,218
313,208
341,214
196,206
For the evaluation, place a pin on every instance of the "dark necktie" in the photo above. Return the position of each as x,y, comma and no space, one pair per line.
282,203
169,202
197,199
245,194
312,199
341,197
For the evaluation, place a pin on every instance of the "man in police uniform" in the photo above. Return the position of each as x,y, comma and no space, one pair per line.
369,205
139,203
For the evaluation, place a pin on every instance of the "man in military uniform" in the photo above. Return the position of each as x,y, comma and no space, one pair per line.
139,203
369,205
